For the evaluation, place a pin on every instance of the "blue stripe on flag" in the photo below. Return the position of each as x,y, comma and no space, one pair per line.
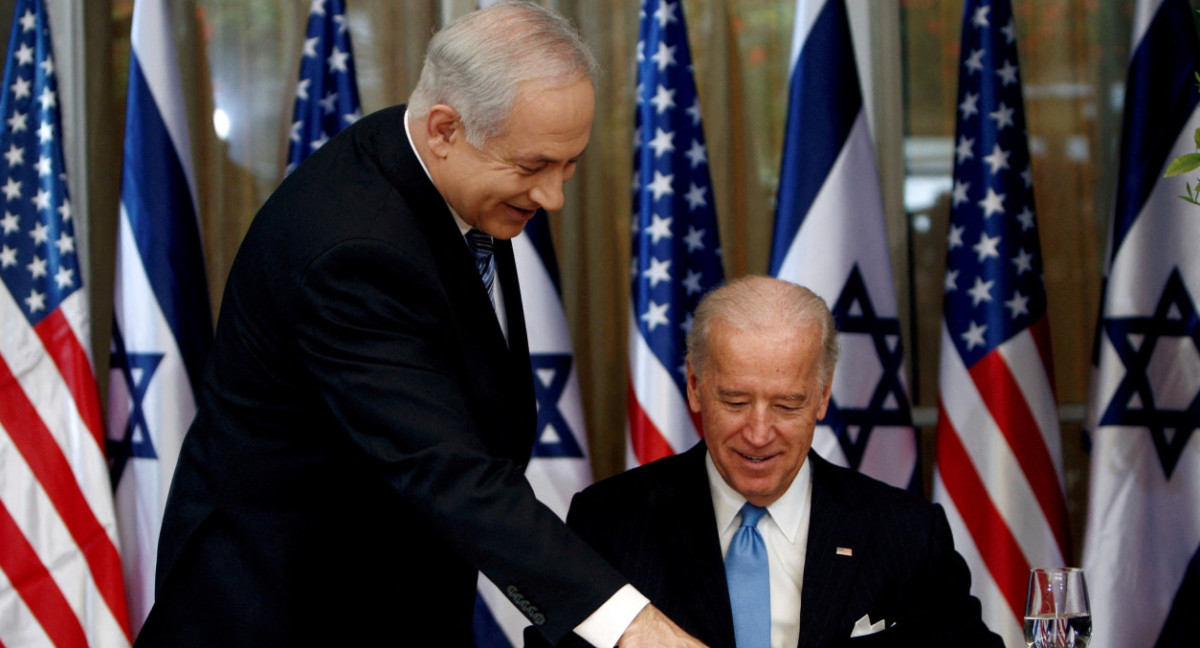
162,217
1159,99
1182,625
826,99
538,231
488,633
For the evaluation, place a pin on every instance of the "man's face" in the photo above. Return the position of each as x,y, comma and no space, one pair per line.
499,186
759,400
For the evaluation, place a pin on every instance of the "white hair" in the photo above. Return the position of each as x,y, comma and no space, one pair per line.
477,62
756,302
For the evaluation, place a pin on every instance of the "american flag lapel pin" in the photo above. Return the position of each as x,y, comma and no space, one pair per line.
844,551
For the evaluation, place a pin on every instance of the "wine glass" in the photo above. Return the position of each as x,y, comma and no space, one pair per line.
1057,614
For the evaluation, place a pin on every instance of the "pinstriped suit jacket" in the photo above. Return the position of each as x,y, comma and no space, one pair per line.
656,525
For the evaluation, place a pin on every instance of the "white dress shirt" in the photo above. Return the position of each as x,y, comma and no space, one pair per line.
785,532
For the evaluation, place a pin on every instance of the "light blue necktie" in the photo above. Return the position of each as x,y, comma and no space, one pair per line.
749,582
481,246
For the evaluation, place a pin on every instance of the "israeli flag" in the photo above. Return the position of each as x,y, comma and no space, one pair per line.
1142,545
830,236
162,324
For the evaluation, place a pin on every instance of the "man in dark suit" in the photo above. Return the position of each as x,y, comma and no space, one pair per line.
849,561
367,410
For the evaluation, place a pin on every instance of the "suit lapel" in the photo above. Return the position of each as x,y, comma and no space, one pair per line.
516,361
829,574
688,519
456,266
499,374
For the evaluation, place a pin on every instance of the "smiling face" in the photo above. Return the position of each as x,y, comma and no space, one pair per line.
499,186
759,399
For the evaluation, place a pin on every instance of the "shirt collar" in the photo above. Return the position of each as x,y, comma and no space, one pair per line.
787,511
408,134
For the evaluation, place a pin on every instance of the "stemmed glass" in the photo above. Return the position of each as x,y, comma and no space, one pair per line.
1057,614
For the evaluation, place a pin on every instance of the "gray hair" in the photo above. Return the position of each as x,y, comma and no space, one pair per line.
755,302
476,63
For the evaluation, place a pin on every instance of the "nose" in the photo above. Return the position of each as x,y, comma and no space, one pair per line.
759,428
547,192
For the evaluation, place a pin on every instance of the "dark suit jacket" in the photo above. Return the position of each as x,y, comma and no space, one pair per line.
656,524
362,430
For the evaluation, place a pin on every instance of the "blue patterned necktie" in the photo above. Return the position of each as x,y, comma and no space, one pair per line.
749,582
481,246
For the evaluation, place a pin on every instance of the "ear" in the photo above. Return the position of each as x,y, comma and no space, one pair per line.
442,127
693,388
825,397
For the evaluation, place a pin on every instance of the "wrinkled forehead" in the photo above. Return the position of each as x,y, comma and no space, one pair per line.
785,349
550,119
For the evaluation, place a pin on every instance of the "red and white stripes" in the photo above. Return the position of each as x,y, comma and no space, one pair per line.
998,470
59,562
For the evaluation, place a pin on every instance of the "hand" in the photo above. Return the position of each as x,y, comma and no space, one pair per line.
652,629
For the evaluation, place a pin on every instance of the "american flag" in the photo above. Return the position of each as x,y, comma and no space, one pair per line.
1142,545
998,467
60,571
162,325
327,92
830,236
676,249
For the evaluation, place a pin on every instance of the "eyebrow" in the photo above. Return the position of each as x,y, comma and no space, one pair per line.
797,397
542,159
535,158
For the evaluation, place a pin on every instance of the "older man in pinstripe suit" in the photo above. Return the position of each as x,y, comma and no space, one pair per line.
851,561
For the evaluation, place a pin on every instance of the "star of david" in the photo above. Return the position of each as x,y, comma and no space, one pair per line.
554,437
1134,403
855,315
137,369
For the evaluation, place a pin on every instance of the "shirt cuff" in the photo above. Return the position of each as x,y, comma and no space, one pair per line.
605,626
